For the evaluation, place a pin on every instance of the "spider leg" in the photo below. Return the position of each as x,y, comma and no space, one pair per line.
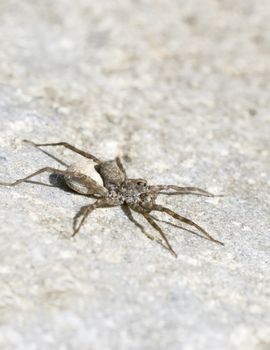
178,226
40,171
185,220
83,213
121,166
81,216
66,145
128,213
158,228
181,190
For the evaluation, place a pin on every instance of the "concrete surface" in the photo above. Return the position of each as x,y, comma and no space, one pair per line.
180,90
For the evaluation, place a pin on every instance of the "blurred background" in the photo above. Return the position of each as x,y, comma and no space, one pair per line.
180,90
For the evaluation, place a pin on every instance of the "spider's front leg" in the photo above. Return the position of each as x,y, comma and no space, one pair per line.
178,217
128,213
165,189
141,209
152,222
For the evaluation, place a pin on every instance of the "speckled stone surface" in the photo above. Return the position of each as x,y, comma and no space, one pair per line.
180,90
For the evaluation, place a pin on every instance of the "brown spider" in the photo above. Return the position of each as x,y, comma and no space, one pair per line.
118,190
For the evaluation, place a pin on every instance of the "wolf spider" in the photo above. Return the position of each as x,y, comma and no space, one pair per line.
119,190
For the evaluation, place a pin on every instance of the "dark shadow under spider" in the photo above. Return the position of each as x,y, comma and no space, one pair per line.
116,189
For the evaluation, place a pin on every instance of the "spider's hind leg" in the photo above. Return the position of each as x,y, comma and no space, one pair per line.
177,190
40,171
66,145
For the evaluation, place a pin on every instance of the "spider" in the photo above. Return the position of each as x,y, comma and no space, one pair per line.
116,189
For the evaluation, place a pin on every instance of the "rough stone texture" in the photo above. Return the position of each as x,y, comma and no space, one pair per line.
180,90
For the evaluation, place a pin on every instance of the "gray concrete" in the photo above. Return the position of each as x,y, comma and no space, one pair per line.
180,90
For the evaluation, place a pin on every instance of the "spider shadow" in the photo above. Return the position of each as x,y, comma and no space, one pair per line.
55,180
58,181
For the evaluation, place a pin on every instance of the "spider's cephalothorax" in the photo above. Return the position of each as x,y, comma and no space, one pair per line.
120,188
135,192
108,183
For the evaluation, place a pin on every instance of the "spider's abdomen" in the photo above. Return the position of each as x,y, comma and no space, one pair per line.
111,174
84,178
